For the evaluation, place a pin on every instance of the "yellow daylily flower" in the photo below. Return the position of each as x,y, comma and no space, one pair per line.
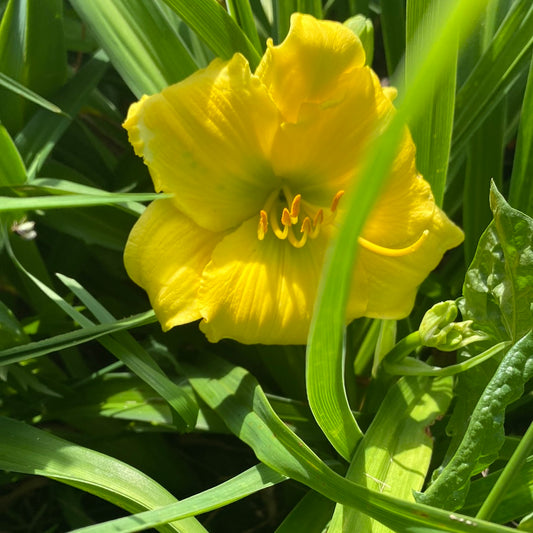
258,164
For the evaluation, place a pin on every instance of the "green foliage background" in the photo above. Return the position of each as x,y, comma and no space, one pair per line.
101,413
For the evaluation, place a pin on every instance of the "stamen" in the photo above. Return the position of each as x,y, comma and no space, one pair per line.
278,232
286,218
335,201
394,252
304,230
295,208
263,225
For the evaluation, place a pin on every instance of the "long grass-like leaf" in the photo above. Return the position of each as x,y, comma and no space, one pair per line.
432,132
65,201
41,133
32,52
125,348
12,171
521,193
73,338
325,373
143,45
216,28
30,450
252,480
236,396
15,87
497,70
241,11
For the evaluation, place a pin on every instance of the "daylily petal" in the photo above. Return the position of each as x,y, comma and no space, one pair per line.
260,291
320,153
393,281
165,254
316,59
406,207
208,140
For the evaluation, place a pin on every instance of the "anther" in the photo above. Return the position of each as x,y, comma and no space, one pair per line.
263,225
335,201
394,252
286,218
295,208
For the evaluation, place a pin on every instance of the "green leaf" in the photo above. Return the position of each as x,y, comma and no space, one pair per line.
32,451
325,372
72,200
432,131
485,433
11,332
142,43
521,193
12,171
395,453
241,11
32,52
498,289
126,349
238,399
516,501
41,133
484,162
495,73
252,480
216,28
393,29
15,87
310,515
67,340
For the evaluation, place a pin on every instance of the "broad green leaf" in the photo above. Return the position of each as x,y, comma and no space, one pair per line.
71,200
141,42
313,7
498,289
432,131
216,28
237,398
12,171
67,340
521,193
252,480
394,455
325,360
496,71
32,52
40,135
30,450
485,433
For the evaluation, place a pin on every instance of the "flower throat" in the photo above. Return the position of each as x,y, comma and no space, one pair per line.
295,211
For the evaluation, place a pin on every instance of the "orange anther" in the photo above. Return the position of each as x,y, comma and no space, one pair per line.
262,227
286,218
295,208
335,201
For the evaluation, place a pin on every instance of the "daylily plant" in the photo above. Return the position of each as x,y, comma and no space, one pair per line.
258,164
